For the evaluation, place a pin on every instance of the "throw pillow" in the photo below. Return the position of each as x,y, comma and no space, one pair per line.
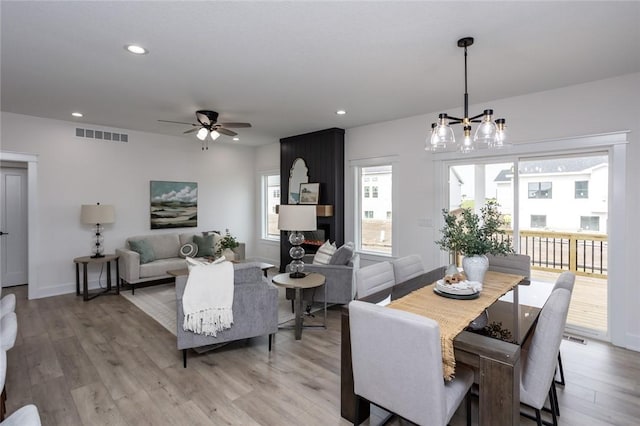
188,249
205,244
343,255
143,248
324,253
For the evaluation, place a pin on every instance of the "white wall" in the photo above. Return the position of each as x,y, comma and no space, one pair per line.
74,171
593,108
267,160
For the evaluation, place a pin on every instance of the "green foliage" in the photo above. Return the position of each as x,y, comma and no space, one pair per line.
228,242
469,234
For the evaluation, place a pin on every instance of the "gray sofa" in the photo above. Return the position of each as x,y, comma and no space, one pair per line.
255,310
166,249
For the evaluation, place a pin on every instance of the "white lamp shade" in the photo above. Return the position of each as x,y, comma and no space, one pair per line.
202,134
214,135
97,213
296,217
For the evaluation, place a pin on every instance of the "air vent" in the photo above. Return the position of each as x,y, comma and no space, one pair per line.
574,339
102,135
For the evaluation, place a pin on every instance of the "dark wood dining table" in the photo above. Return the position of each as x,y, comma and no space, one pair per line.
496,362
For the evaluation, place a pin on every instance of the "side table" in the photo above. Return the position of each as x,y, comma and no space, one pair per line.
312,280
85,260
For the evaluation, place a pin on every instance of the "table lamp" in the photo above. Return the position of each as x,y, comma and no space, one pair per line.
295,218
97,214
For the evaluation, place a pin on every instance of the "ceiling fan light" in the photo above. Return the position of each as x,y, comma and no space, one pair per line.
214,135
202,134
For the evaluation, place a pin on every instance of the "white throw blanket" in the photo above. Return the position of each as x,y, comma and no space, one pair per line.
208,298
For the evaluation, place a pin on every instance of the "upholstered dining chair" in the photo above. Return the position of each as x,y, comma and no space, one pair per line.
397,365
374,278
405,268
25,416
8,331
539,357
518,264
565,280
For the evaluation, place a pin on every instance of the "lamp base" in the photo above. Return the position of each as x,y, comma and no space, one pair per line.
297,274
97,255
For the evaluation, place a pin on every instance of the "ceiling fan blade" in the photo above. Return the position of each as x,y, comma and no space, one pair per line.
236,125
178,122
203,118
191,130
226,131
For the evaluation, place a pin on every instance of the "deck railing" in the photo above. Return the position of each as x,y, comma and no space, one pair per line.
578,252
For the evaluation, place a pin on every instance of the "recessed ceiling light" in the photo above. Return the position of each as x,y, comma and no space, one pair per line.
76,114
136,50
341,112
236,138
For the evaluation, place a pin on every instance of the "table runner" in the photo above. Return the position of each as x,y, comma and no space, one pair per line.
454,315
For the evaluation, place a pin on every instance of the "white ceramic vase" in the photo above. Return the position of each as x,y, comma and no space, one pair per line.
475,267
229,254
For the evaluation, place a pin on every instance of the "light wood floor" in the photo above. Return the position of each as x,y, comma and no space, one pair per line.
104,362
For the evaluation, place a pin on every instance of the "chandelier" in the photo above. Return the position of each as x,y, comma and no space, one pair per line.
489,134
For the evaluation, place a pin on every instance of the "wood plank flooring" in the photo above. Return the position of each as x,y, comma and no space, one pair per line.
105,362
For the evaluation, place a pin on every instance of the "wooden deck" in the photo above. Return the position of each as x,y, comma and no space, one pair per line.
588,307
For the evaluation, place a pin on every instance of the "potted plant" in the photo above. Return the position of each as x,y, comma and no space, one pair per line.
227,244
473,236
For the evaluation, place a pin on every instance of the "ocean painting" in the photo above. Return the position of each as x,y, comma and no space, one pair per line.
174,204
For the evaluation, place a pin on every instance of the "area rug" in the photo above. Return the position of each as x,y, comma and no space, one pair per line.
159,302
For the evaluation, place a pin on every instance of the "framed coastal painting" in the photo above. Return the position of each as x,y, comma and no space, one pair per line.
173,204
309,193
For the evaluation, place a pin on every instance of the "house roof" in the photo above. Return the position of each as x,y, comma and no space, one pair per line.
553,166
286,67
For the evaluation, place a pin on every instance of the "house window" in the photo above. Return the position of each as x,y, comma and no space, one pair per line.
373,220
582,189
590,223
270,199
540,189
538,221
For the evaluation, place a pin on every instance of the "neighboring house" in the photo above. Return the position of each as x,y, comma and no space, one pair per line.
567,194
376,191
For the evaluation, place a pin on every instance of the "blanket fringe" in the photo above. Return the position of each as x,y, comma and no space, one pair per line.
208,321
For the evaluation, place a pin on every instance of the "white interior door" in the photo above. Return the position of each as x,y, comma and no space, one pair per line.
13,240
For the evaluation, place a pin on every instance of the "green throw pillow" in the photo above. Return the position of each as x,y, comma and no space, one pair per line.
143,248
205,244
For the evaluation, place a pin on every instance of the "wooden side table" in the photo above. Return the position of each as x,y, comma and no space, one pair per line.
85,260
312,280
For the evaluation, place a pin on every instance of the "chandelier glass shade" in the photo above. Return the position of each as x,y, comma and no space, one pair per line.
488,134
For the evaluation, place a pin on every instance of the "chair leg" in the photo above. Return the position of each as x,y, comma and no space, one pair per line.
356,414
293,310
553,410
538,417
468,398
270,336
561,381
555,398
184,358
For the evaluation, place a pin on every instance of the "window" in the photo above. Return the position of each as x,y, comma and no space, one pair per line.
590,223
582,189
374,223
539,189
538,221
271,199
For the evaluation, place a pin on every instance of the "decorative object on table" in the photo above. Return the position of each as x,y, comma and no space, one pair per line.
97,215
227,244
173,204
295,218
489,134
309,193
473,236
297,176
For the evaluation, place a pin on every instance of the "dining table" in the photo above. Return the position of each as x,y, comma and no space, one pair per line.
492,351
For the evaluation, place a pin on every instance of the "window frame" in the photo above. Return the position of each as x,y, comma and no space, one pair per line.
538,192
585,190
265,193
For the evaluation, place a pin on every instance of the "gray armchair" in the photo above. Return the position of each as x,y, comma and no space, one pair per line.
339,280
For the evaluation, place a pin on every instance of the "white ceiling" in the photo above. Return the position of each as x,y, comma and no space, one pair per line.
286,67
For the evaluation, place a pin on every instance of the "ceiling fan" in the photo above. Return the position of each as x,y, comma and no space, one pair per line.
208,126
